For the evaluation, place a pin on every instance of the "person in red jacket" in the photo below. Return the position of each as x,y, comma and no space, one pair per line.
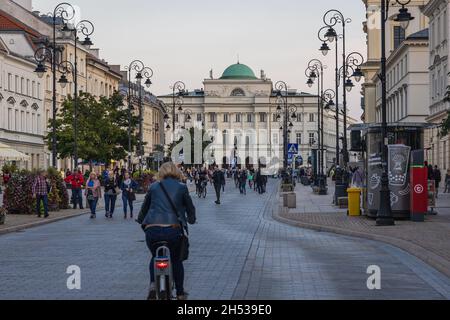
76,179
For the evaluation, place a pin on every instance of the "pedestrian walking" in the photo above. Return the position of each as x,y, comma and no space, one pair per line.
223,182
243,182
447,182
438,178
218,179
128,187
76,180
111,192
164,216
40,190
93,193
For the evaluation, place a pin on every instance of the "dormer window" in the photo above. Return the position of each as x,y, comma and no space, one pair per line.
238,93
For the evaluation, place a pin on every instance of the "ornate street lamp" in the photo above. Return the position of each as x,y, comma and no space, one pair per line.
48,51
141,71
285,113
315,70
178,91
384,216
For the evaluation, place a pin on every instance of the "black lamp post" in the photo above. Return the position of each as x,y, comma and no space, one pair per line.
315,71
178,90
141,72
50,52
384,216
86,28
331,36
332,18
285,116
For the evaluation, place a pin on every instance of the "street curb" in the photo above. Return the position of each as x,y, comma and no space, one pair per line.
40,223
50,220
421,253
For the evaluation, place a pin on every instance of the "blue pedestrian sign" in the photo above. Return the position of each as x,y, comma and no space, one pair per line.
293,148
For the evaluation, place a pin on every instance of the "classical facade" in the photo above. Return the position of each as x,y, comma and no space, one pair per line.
94,75
395,35
407,81
239,104
22,124
439,103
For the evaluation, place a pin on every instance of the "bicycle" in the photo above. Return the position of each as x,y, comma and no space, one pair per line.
202,190
163,272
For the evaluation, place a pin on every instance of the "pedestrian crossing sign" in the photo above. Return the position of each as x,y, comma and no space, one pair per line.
293,148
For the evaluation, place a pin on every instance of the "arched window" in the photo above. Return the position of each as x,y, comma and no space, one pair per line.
238,93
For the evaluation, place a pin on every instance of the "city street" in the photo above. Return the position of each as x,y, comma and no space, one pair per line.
237,252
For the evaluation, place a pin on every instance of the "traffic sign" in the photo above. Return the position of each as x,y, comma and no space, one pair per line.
293,148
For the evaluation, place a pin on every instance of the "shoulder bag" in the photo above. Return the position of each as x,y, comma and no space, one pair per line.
184,244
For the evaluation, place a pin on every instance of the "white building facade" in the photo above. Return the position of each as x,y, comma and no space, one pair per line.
22,123
439,104
407,81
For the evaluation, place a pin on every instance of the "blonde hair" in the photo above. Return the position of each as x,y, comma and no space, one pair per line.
93,175
169,170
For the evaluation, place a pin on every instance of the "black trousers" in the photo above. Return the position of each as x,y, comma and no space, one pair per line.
218,188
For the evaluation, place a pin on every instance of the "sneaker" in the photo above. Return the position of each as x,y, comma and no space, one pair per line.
183,296
107,215
152,292
92,216
46,216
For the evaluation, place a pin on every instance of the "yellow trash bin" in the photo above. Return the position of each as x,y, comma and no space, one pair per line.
354,202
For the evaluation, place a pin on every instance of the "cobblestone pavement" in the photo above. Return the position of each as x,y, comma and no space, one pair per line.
237,252
433,235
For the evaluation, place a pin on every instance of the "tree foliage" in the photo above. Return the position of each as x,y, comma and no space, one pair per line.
102,128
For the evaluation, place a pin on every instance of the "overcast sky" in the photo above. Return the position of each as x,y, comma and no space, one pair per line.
184,39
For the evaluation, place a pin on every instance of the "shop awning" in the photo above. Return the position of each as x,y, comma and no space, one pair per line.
9,154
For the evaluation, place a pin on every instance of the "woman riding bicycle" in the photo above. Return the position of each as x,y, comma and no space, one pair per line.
161,223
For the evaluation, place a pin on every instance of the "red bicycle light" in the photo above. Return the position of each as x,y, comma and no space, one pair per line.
162,265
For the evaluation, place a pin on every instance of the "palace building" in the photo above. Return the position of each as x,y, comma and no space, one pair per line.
243,109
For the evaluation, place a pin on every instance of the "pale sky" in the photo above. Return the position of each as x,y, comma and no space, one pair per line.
183,40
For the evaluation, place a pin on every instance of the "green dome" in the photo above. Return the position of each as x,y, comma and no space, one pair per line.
238,71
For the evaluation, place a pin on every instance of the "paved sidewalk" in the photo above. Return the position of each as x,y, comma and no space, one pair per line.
429,241
18,222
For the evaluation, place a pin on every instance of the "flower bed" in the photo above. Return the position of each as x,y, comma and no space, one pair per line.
18,197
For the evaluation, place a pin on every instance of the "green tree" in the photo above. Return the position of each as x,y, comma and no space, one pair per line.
102,128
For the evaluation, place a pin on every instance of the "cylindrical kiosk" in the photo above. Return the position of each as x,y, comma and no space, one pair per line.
403,139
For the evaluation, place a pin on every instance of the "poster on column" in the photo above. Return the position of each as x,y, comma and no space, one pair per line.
399,177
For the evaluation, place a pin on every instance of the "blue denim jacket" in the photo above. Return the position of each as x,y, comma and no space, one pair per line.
157,209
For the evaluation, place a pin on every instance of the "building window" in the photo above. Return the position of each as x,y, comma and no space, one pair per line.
238,93
312,138
238,117
299,117
225,117
399,36
249,117
199,117
9,82
212,117
311,117
275,117
262,117
299,139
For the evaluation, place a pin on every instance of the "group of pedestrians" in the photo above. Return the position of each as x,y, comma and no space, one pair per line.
113,186
255,179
